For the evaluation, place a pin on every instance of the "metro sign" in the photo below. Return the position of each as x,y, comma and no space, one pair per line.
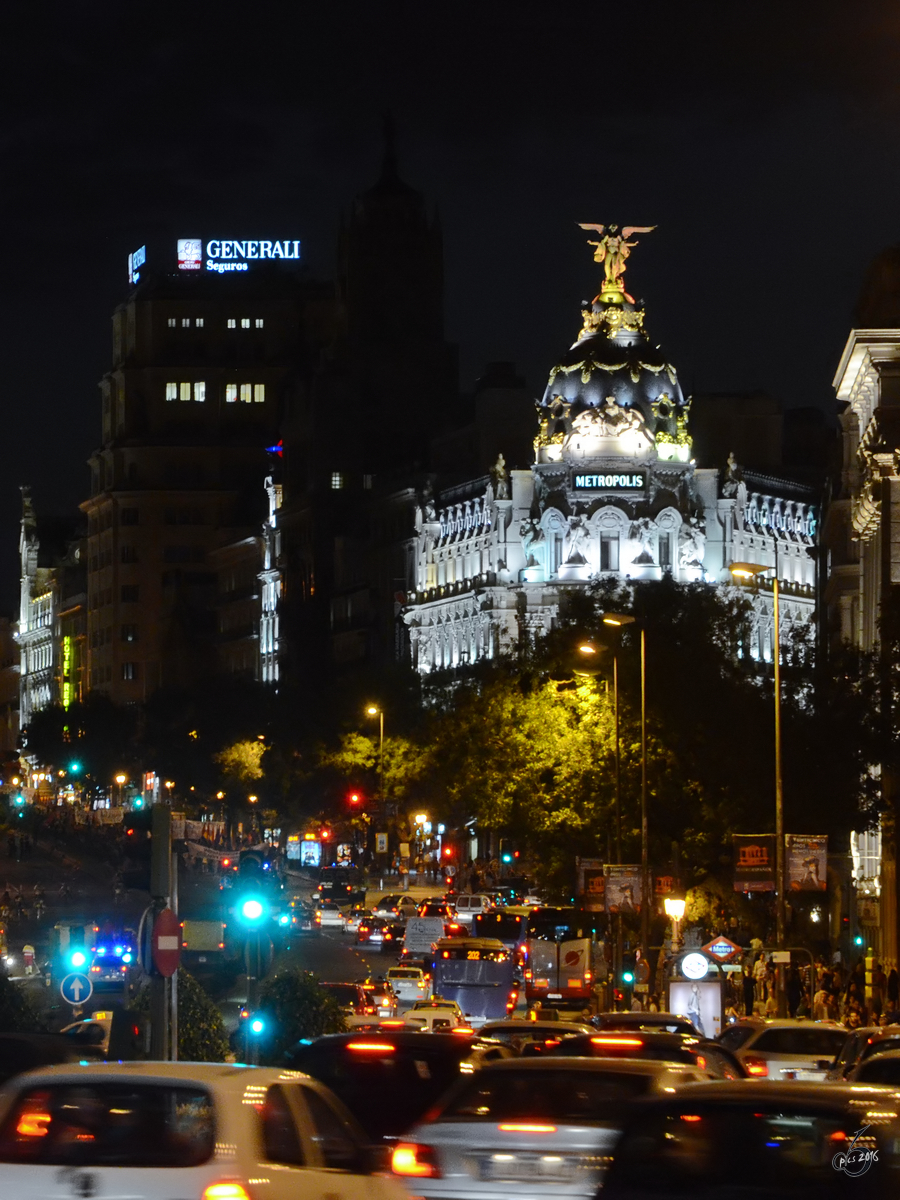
721,949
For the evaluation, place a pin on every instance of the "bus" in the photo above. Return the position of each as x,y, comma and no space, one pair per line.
509,926
479,974
562,956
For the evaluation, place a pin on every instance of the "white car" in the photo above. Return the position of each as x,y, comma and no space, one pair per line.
796,1050
151,1131
409,983
436,1014
329,916
468,907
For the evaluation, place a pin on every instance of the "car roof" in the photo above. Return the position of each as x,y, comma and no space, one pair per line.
782,1091
787,1023
893,1055
404,1038
883,1031
229,1075
625,1066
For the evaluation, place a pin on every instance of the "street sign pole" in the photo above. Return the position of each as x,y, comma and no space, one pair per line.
160,888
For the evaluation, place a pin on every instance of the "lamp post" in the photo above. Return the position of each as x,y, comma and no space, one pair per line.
675,911
374,711
120,780
617,620
745,570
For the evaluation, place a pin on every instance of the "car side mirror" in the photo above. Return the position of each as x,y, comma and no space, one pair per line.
376,1159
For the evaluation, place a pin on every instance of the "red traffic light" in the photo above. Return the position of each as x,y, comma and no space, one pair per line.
355,798
448,853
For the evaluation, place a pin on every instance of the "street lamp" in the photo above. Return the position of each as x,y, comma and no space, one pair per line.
374,711
749,570
617,620
675,910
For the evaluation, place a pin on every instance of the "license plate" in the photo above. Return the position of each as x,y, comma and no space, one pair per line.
510,1168
202,958
555,996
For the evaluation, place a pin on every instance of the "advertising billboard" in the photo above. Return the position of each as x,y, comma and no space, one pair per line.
310,854
700,1002
806,862
221,255
754,862
591,885
623,889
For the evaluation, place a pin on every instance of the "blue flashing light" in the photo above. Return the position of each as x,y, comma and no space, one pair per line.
126,958
257,1025
77,958
119,950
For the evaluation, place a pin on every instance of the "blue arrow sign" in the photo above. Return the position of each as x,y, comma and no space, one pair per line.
75,988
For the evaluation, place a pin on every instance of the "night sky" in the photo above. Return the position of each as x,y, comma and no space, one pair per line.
762,139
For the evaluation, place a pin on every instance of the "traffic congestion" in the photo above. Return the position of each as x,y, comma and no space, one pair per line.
487,1047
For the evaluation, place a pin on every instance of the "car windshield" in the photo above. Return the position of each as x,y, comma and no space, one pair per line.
693,1149
879,1045
558,1095
809,1041
344,993
109,1124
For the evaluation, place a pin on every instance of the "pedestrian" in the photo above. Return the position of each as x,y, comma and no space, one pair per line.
893,990
749,988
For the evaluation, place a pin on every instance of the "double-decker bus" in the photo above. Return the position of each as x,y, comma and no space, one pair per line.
479,974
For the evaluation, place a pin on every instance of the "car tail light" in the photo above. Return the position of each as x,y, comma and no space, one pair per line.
756,1066
372,1047
95,970
692,1117
526,1127
229,1190
411,1159
617,1041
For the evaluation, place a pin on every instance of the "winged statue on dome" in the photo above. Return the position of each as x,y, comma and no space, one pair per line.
613,248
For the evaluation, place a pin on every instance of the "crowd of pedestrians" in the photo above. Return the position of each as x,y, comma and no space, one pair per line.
825,992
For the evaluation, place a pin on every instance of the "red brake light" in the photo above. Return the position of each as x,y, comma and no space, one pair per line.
690,1117
412,1160
372,1047
617,1041
523,1127
756,1066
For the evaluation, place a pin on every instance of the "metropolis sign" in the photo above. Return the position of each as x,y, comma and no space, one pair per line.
229,255
629,481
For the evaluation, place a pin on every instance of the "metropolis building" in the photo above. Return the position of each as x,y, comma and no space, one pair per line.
613,490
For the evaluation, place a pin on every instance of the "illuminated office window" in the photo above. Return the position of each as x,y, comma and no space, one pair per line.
185,322
230,393
337,480
199,322
245,322
259,322
171,391
246,393
259,393
200,392
232,323
171,322
184,391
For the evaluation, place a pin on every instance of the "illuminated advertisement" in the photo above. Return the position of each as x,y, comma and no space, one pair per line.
310,854
67,689
806,862
227,254
190,254
135,262
623,889
629,481
700,1002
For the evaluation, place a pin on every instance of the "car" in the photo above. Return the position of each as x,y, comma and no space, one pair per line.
860,1045
437,1002
392,936
409,983
468,907
878,1068
711,1060
352,918
108,971
517,1031
91,1034
351,999
389,1078
329,915
664,1022
303,921
435,1014
381,995
387,906
371,931
160,1129
436,909
539,1128
784,1049
758,1140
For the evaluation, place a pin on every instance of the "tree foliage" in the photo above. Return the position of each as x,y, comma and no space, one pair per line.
201,1030
18,1013
294,1007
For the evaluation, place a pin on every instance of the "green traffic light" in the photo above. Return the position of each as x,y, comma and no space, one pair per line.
74,767
77,958
138,802
20,800
627,977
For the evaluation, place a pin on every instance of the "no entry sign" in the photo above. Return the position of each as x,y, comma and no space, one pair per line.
166,942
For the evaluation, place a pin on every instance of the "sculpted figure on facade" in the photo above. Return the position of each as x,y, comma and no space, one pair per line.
428,510
501,478
532,536
691,544
613,248
577,537
642,532
732,477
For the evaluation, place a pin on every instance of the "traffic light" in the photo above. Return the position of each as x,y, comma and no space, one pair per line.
626,978
506,853
355,799
138,802
74,767
859,940
257,1026
77,958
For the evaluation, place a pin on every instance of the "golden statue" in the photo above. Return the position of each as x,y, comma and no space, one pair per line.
613,249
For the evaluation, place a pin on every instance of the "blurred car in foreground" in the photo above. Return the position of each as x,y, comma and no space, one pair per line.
519,1128
878,1068
861,1044
784,1049
709,1059
154,1130
759,1140
390,1078
91,1034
